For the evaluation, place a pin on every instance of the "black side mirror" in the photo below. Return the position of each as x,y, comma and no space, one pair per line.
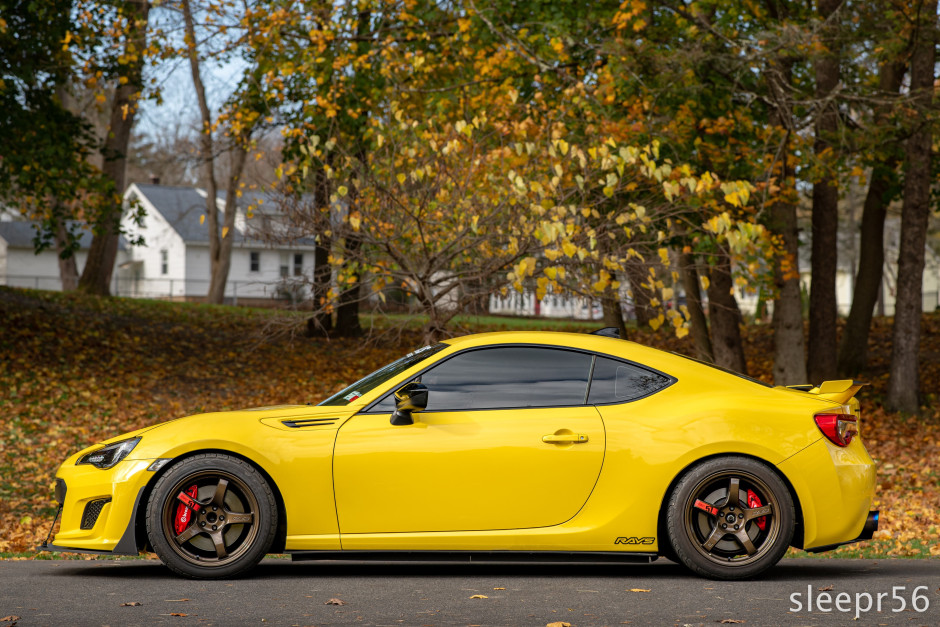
409,398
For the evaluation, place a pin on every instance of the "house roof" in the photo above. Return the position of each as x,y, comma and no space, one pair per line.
21,233
183,207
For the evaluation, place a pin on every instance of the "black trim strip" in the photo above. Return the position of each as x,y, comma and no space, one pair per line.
308,422
475,556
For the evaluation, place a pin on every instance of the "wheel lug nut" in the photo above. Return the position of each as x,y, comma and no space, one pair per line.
213,527
736,526
724,526
732,509
216,509
740,515
221,517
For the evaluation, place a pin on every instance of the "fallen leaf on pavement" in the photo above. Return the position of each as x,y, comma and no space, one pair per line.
9,619
175,600
130,604
558,624
479,596
638,590
730,621
178,614
499,588
826,589
335,602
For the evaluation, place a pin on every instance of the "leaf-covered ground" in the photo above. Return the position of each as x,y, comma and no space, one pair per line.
76,369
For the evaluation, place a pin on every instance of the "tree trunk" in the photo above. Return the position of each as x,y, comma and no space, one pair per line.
725,317
613,314
321,322
99,266
223,262
347,313
68,269
853,349
693,302
637,275
821,364
904,384
216,293
787,320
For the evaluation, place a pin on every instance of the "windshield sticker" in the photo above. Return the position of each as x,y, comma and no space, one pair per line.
351,396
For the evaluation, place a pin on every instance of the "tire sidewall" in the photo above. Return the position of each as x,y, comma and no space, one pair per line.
266,518
682,543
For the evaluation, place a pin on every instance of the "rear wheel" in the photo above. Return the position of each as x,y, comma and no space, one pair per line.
730,518
211,516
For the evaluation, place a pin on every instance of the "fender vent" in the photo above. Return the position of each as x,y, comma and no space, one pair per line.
308,422
92,511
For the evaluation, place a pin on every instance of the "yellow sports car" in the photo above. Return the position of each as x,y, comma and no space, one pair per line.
510,446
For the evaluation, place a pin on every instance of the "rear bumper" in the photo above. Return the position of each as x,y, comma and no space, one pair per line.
835,487
868,532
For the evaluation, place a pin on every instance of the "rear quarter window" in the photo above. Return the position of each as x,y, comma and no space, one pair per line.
620,382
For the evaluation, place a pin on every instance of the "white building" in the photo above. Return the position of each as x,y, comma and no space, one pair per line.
173,260
21,266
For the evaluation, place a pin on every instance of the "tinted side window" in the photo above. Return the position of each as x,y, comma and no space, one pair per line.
618,382
508,377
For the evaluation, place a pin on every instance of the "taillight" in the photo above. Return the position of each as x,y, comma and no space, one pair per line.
838,428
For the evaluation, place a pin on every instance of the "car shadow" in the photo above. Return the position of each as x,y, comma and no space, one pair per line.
801,570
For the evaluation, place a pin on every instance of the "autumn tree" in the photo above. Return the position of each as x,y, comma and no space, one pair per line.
904,384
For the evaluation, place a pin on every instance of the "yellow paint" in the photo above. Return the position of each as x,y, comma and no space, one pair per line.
487,480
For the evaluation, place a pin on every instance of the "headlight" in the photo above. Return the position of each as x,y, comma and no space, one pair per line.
109,455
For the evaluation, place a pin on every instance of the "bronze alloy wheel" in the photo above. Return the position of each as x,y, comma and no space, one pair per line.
223,527
726,530
211,516
730,518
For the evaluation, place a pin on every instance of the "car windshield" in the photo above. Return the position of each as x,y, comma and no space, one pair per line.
383,374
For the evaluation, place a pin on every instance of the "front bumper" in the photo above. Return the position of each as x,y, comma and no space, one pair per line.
100,507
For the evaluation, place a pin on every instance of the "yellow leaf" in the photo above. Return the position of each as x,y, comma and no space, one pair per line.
224,231
639,590
401,178
202,219
552,254
655,323
569,248
705,282
342,190
563,146
479,596
681,332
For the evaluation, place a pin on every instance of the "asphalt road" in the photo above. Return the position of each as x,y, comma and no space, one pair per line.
280,592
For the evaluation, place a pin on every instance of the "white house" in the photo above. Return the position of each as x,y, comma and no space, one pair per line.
21,266
173,261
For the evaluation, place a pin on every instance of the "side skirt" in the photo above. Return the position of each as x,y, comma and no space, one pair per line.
476,556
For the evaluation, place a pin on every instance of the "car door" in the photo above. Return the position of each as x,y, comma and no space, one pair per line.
506,442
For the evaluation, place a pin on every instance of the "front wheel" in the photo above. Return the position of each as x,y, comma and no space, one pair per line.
730,518
211,516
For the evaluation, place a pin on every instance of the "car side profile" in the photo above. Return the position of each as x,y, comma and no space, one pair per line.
510,446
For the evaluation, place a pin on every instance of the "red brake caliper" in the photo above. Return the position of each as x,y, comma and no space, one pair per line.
752,502
184,515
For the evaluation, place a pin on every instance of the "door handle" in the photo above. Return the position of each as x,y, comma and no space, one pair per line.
565,438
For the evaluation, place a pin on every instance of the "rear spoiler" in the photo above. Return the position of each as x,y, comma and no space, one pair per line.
836,391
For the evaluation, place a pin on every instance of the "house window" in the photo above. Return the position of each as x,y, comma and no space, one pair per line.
285,265
298,264
255,263
164,262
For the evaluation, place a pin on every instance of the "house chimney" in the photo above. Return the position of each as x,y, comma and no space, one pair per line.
154,179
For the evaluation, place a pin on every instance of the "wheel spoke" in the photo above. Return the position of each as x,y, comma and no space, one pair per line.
757,512
716,535
734,492
218,499
219,542
238,518
745,541
187,534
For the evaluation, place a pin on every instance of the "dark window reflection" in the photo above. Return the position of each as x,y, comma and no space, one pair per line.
508,377
505,377
617,382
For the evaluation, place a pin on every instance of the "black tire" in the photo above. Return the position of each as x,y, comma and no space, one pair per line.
230,526
730,538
